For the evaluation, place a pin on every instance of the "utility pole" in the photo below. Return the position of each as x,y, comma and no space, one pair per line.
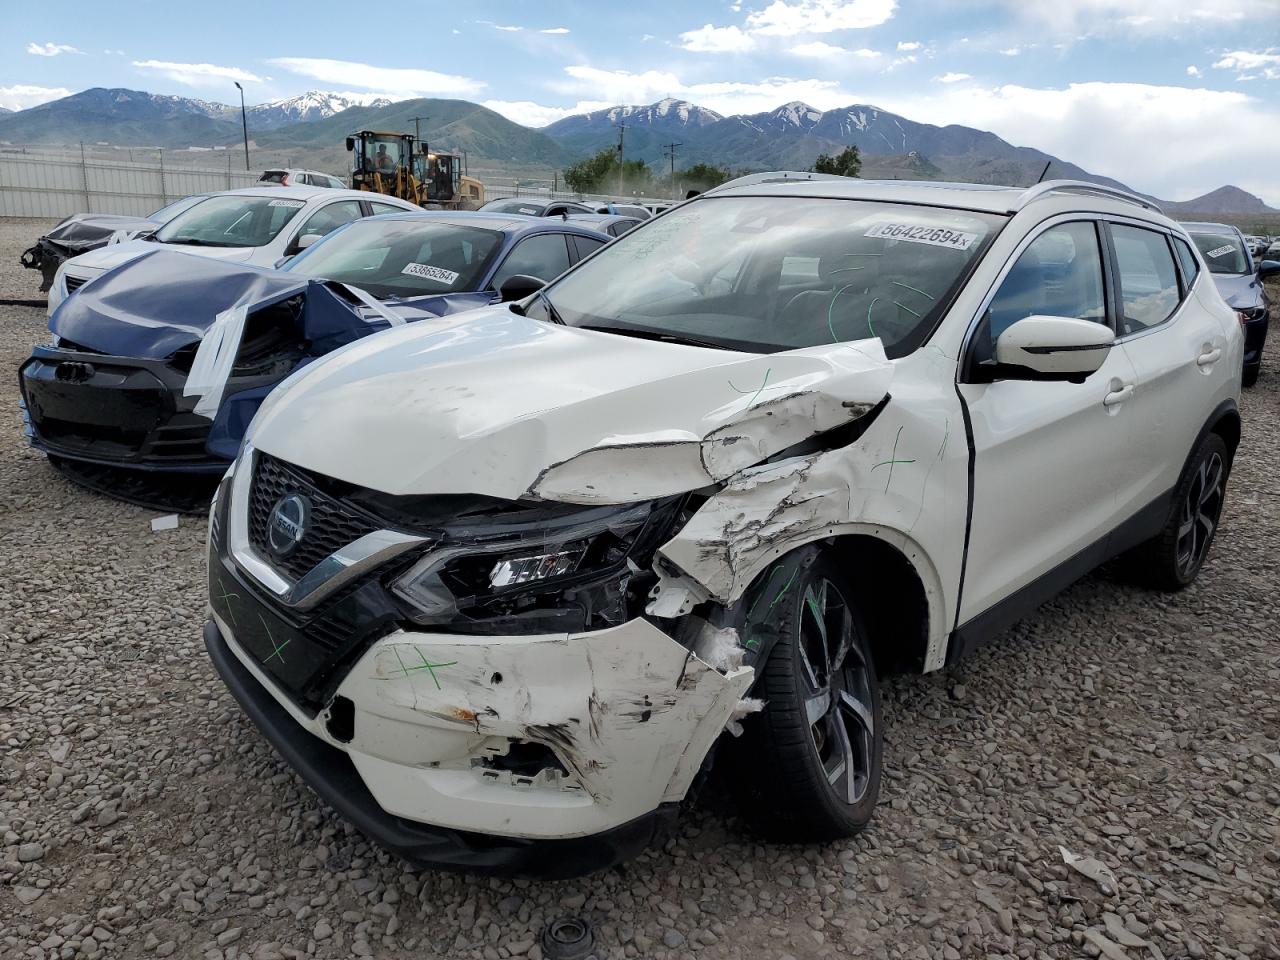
622,133
417,130
670,150
244,123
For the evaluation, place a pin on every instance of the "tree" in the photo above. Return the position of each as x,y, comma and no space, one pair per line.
848,163
703,176
600,174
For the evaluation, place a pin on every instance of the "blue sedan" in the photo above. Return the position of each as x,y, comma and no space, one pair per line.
160,364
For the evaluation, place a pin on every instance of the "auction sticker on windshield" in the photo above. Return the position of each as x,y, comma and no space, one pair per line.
428,272
1221,251
919,233
287,203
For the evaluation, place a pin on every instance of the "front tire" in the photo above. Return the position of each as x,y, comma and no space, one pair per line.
1172,559
808,766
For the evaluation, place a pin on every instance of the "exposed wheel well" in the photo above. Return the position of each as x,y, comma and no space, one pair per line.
891,598
1227,426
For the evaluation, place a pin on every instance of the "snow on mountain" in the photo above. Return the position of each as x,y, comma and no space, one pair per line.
796,114
313,105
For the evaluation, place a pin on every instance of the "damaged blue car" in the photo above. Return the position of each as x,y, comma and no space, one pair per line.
158,366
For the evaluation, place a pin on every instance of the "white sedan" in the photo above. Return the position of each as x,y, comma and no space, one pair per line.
257,225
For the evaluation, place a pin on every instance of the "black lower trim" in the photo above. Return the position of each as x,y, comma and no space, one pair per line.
331,774
1139,528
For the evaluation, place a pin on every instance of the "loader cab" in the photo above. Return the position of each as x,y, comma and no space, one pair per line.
378,155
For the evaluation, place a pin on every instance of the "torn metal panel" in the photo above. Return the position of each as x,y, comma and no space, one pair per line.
628,713
80,233
519,407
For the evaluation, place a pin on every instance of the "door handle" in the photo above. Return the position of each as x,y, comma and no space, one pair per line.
1117,396
1209,356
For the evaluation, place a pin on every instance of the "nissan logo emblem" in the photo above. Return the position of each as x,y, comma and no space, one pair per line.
287,524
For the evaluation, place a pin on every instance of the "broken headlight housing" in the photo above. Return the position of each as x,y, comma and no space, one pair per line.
586,570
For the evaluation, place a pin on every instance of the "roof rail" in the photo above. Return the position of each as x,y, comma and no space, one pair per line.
773,176
1040,190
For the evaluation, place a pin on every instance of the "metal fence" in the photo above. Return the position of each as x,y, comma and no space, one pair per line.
56,185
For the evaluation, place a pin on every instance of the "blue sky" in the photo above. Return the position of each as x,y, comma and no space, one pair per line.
1174,97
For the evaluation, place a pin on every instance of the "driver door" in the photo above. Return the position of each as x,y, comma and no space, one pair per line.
1048,456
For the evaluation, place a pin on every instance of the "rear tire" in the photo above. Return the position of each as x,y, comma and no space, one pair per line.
808,766
1172,559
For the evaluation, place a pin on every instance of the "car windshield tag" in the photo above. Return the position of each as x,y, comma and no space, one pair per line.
920,233
1220,251
428,272
287,203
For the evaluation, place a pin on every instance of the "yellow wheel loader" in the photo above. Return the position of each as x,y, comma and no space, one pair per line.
399,166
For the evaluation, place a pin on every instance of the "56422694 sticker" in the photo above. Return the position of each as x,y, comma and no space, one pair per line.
923,233
287,203
428,272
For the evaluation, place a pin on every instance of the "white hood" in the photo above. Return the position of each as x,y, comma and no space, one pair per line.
494,403
114,254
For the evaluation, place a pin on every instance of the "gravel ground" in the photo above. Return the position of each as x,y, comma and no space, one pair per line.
142,814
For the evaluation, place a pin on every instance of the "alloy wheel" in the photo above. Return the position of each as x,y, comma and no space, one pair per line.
1200,511
837,694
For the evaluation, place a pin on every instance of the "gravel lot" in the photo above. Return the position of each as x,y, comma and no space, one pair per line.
142,815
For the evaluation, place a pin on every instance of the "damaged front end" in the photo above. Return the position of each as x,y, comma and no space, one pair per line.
77,234
536,668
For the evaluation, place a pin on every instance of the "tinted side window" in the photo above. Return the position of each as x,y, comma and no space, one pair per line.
585,246
1188,260
331,217
545,256
1148,280
385,208
1058,275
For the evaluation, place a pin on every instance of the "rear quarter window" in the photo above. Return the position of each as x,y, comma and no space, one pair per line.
1149,291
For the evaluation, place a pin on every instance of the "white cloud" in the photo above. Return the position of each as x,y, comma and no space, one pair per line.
825,51
1010,52
556,30
906,46
400,81
50,49
787,19
198,74
712,39
728,97
532,114
953,77
1194,71
508,29
21,96
1265,64
1151,137
1139,16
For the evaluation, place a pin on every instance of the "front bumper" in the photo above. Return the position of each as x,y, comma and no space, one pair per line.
1255,338
332,775
114,411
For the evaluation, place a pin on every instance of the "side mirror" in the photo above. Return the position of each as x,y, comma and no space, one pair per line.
351,144
1052,348
307,239
1268,268
518,287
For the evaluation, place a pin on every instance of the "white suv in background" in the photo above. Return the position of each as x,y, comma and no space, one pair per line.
256,225
498,586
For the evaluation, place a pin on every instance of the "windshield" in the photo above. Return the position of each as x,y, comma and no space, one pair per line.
514,205
230,221
402,258
1223,252
765,274
169,211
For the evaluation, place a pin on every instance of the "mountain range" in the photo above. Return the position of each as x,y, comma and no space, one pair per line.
790,136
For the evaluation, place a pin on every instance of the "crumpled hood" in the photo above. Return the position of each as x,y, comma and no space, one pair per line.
1242,292
85,231
164,300
161,301
491,402
112,255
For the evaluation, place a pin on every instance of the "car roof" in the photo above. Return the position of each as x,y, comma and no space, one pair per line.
603,219
301,193
513,223
1205,227
981,197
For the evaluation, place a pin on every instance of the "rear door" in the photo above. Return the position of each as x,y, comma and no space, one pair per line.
1047,455
1178,351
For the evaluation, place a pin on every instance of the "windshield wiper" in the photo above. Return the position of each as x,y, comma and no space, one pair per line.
662,335
551,309
197,242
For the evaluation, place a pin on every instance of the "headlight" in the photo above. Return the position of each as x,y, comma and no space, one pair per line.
552,572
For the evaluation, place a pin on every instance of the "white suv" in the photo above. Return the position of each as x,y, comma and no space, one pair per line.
499,586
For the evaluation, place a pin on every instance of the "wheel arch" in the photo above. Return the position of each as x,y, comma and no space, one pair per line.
893,582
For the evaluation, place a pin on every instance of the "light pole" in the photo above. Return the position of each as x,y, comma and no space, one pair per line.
244,123
670,150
